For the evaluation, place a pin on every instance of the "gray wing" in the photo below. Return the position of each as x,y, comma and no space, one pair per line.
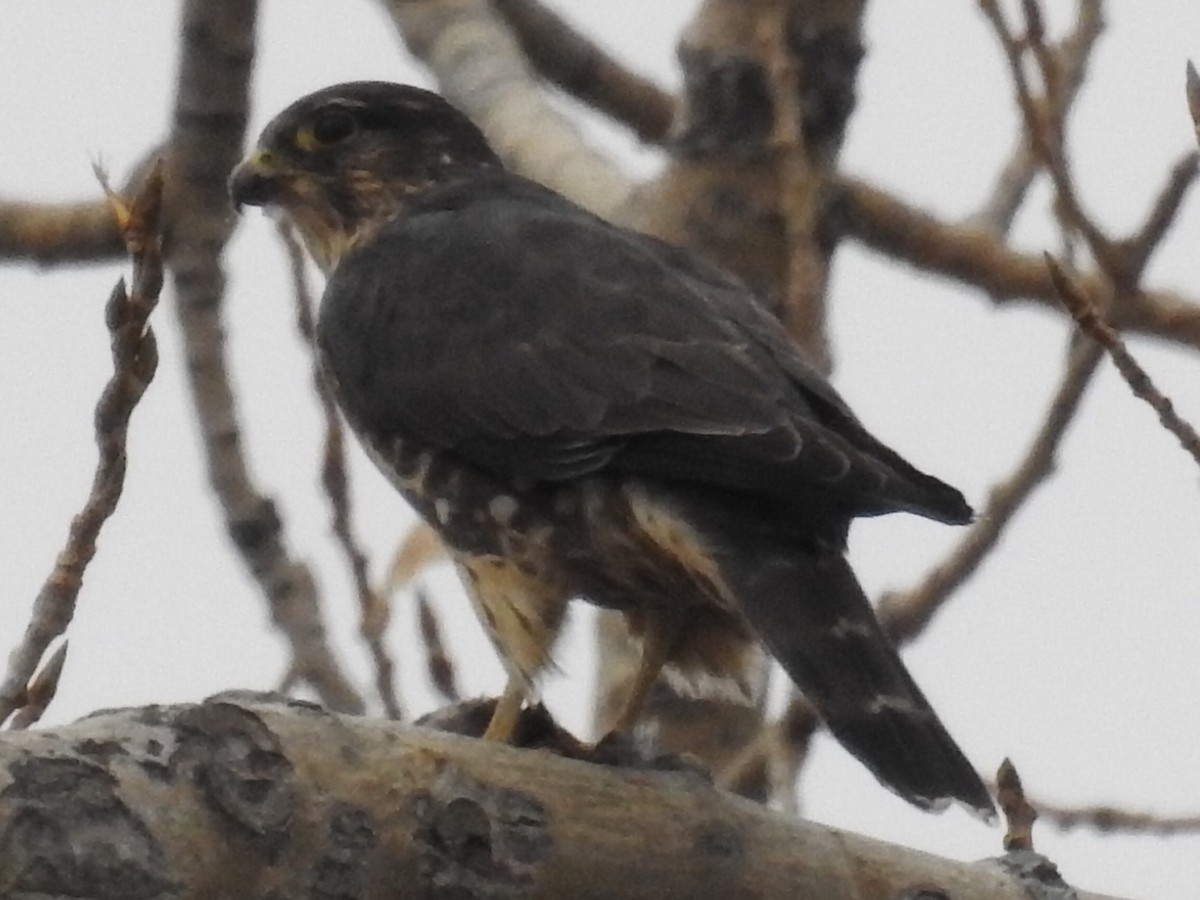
538,342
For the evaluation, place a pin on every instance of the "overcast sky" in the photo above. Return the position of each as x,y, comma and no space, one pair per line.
1075,649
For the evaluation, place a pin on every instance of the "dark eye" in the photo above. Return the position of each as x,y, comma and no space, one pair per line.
332,126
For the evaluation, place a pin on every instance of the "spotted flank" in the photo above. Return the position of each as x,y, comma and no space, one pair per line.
521,613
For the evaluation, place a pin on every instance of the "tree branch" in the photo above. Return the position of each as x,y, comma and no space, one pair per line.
481,69
209,125
1094,326
438,663
62,233
56,233
1192,84
135,358
1111,820
1070,58
809,51
906,614
245,795
573,63
374,611
981,259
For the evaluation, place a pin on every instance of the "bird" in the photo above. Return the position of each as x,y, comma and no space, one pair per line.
584,411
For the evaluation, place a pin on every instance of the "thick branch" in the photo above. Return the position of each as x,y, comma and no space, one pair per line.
210,119
811,54
242,796
480,67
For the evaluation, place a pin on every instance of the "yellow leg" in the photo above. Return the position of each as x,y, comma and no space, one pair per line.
508,711
660,637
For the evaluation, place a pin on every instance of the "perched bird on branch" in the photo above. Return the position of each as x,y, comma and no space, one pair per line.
584,411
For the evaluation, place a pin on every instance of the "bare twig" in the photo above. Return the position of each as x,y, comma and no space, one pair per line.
1044,130
906,614
209,126
980,258
42,690
1019,815
374,612
803,309
441,669
1092,324
775,755
135,358
57,233
1071,57
1193,96
1111,820
575,64
1106,819
1136,250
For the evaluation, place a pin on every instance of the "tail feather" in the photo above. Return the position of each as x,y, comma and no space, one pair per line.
812,615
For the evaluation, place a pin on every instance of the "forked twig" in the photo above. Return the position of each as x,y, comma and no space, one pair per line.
1093,325
374,612
1043,129
1070,58
135,358
42,690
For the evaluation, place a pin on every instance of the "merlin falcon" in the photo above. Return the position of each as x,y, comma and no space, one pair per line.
580,410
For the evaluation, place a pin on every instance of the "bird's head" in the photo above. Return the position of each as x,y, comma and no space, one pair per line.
342,161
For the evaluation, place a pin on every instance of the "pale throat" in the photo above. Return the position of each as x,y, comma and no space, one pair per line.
329,233
328,237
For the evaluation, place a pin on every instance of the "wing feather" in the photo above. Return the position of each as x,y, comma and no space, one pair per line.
497,320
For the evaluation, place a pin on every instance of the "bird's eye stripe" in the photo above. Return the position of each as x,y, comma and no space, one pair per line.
305,139
326,128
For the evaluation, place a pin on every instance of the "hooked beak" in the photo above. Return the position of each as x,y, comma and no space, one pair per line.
255,181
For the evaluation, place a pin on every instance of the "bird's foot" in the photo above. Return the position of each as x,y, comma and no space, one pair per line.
623,750
532,728
535,729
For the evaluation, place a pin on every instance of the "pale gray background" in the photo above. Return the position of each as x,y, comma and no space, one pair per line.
1074,651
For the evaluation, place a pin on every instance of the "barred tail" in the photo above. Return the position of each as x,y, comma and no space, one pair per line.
812,615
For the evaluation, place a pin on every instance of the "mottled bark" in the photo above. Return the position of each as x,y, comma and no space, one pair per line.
252,796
